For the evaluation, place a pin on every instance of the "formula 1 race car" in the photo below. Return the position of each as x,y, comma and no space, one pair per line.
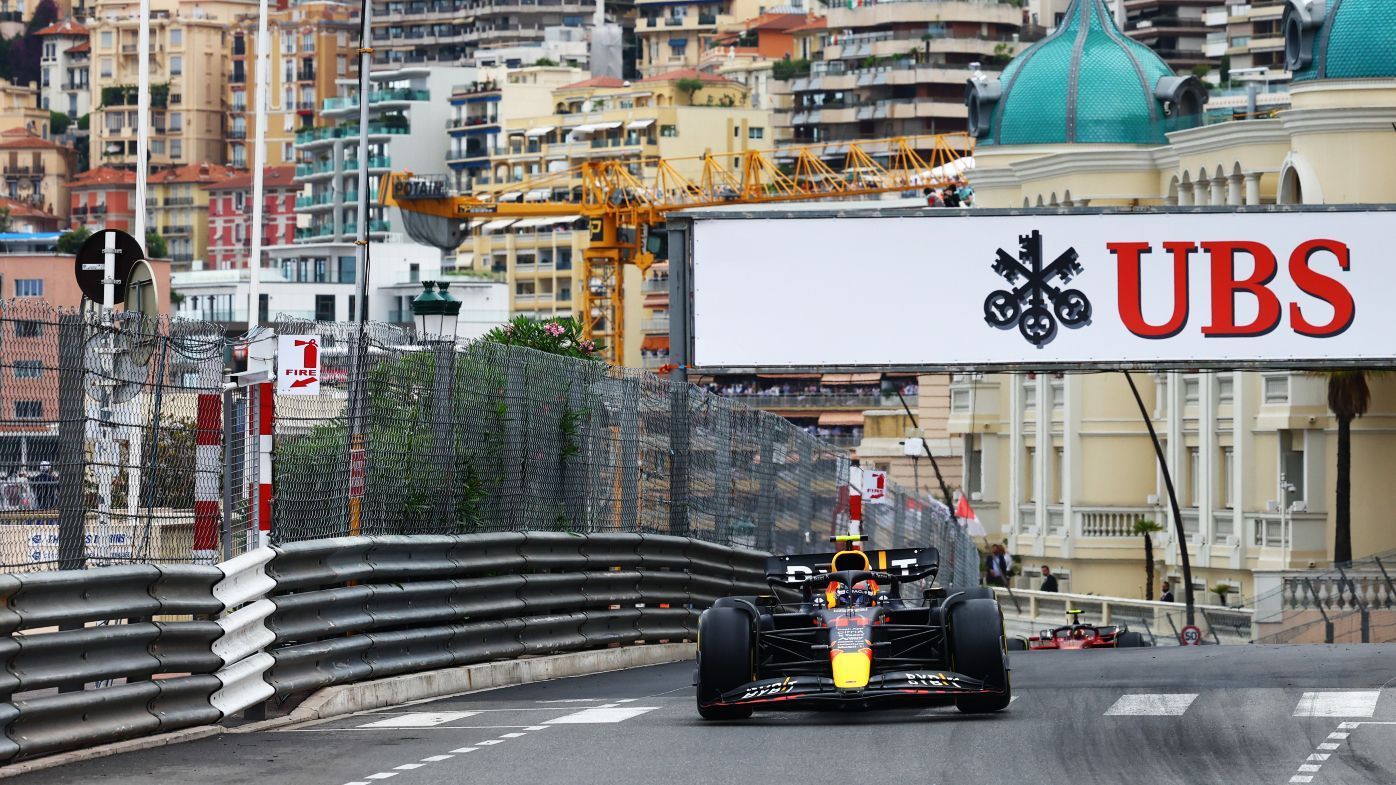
1076,635
848,639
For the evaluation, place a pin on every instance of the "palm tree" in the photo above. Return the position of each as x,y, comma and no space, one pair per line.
1145,528
1348,397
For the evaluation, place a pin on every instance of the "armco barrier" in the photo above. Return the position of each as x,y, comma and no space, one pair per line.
111,653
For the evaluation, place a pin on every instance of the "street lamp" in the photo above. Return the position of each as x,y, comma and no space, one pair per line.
436,312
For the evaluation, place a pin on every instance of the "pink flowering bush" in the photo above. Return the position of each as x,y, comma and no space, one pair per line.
561,335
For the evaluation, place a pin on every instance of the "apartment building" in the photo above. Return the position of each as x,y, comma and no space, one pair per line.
409,111
103,198
35,171
177,205
230,228
594,119
63,69
749,53
449,32
189,68
1174,29
480,109
21,109
1248,33
313,45
675,35
895,69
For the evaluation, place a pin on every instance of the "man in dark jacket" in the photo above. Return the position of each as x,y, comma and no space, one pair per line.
1049,581
1165,593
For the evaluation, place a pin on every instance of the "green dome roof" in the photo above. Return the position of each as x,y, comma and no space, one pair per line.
1087,82
1340,39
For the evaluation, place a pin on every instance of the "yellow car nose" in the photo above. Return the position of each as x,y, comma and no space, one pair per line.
851,669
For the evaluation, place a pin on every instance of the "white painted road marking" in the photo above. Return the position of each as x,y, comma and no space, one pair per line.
491,741
463,750
1349,703
408,766
382,775
437,758
1302,778
601,715
510,735
536,727
1152,705
421,719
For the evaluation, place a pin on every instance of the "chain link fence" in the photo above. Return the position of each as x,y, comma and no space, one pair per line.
121,443
100,436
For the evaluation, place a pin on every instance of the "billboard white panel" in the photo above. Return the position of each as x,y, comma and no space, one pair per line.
1219,289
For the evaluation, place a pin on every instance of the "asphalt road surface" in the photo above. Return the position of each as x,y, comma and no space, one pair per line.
1232,714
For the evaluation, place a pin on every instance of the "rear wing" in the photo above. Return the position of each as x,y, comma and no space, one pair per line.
905,564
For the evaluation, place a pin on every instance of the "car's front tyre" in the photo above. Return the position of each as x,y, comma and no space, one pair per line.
977,651
725,660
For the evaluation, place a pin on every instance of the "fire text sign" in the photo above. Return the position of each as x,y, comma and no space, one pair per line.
1026,289
298,364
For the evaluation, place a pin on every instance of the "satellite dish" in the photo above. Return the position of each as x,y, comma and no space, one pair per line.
112,373
143,311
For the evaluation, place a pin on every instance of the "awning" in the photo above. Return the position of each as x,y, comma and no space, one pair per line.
634,124
529,223
655,343
787,376
564,219
541,130
494,226
834,379
678,43
538,195
656,301
584,129
841,418
606,126
512,196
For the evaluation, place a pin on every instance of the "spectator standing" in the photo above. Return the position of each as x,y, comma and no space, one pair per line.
999,567
1049,581
45,487
1165,593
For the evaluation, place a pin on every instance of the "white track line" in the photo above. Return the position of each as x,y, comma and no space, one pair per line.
1348,703
1151,705
601,715
421,719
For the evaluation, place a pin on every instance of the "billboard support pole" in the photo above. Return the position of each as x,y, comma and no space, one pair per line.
1172,498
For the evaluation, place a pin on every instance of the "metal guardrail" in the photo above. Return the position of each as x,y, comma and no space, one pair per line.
277,622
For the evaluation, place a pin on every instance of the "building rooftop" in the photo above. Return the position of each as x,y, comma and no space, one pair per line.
272,177
104,175
688,73
193,173
23,139
66,27
596,81
1356,39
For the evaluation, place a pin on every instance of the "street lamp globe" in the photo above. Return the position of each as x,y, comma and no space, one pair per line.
450,311
428,311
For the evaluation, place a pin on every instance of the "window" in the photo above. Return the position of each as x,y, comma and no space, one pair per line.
324,307
176,36
959,400
28,369
176,65
29,329
414,272
1194,490
29,410
1058,474
176,148
1292,463
29,287
346,274
1226,392
1029,469
1277,389
176,122
106,41
669,130
1225,489
974,467
756,133
104,66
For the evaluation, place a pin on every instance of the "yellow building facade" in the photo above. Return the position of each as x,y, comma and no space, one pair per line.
1061,466
190,63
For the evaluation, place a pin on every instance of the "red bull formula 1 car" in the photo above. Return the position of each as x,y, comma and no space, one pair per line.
1076,635
850,640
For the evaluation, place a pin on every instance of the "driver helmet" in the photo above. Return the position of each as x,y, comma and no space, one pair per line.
862,594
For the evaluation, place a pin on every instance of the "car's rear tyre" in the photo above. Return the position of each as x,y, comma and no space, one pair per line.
1017,644
1130,640
977,650
725,649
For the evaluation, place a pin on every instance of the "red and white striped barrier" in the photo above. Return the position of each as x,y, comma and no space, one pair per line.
265,425
208,475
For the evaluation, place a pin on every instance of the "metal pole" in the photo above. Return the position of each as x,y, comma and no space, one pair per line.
259,155
1361,606
1172,500
1318,603
142,118
357,445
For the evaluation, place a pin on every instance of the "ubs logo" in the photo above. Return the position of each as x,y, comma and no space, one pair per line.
1035,304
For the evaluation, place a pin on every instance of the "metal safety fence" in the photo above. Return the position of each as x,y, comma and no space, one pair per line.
126,443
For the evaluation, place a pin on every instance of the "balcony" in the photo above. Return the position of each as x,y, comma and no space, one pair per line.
657,285
14,172
820,400
375,162
397,95
329,133
653,362
237,133
178,230
655,325
179,201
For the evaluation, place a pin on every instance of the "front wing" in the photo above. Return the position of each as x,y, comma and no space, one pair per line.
897,687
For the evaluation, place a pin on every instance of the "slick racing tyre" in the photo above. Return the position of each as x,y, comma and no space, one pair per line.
1017,644
725,648
1130,640
977,651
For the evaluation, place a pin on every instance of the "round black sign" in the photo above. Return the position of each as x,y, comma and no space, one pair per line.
90,263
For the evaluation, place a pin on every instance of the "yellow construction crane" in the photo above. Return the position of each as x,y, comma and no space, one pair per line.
623,198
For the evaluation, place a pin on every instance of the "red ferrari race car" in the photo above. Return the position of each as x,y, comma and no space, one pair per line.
1076,635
